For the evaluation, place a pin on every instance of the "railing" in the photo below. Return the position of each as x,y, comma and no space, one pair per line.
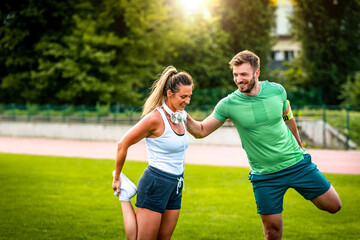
345,119
113,114
339,122
69,113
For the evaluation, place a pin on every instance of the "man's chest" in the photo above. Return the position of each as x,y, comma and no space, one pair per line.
249,114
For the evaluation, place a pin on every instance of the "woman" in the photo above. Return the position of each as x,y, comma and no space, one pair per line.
160,187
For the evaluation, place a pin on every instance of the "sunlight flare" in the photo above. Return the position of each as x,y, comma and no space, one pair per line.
192,5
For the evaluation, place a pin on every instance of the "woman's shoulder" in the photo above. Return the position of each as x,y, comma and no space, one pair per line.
154,123
153,118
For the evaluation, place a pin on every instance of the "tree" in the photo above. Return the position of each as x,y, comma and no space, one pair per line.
98,53
201,48
329,33
113,50
87,52
351,91
249,23
23,24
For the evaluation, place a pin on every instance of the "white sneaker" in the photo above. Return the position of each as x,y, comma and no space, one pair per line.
127,189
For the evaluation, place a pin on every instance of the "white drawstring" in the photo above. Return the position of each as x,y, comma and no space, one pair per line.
181,179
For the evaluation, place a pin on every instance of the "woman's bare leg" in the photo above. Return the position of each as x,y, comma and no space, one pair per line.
168,224
129,217
148,223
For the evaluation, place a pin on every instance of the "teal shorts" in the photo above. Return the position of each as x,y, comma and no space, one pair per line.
304,177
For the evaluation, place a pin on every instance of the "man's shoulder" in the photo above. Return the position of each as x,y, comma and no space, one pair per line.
273,87
230,96
224,103
272,84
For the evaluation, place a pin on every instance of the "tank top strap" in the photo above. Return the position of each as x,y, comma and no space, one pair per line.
165,120
184,125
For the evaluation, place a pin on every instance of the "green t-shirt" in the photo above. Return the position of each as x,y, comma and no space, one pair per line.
269,144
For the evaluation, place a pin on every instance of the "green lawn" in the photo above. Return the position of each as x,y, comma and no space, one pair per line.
71,198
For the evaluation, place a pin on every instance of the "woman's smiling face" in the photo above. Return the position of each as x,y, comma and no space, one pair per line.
177,101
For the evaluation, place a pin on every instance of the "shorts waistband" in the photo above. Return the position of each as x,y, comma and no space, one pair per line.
164,174
294,168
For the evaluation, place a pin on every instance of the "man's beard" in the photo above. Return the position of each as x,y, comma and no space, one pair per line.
251,85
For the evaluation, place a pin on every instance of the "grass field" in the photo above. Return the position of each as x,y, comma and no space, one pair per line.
71,198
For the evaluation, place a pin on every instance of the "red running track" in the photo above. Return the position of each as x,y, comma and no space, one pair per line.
329,161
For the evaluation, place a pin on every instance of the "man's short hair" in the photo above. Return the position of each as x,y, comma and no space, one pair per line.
245,57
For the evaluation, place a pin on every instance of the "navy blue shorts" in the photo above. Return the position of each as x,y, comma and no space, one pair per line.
304,177
159,190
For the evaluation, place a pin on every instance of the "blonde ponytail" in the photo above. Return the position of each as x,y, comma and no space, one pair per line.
170,79
157,95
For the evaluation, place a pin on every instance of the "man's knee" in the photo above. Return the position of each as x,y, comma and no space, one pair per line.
272,232
335,207
272,226
329,201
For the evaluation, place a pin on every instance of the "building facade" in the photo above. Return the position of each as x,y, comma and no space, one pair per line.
285,48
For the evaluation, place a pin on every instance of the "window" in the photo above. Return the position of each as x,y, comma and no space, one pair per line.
276,56
289,55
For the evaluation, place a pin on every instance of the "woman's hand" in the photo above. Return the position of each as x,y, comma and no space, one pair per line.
116,186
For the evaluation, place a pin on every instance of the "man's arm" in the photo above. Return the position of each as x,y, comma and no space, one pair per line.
204,128
291,124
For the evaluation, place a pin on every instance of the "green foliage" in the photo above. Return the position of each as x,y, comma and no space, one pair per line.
83,62
95,51
68,110
106,54
351,91
71,52
110,51
208,97
201,49
103,110
32,109
292,80
295,76
329,33
218,202
249,24
22,25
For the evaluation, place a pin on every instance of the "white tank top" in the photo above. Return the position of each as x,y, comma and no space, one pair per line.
167,152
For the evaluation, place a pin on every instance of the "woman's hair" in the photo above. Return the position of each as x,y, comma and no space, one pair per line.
245,57
170,79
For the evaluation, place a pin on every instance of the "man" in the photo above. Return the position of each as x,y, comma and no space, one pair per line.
262,116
